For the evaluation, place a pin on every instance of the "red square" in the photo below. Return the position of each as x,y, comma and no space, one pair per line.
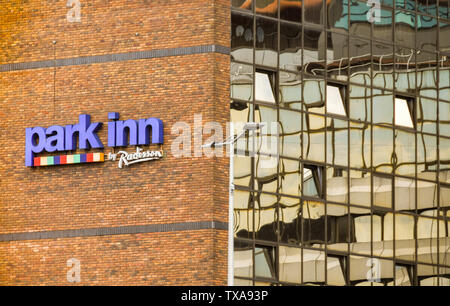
90,157
63,159
37,161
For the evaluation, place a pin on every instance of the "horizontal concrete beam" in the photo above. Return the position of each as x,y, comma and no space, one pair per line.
117,57
120,230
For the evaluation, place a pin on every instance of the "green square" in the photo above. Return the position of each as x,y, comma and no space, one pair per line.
50,160
76,158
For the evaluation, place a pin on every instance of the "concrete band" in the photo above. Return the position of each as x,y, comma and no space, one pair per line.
120,230
118,57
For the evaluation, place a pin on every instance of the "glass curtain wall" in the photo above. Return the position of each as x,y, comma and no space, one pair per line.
348,182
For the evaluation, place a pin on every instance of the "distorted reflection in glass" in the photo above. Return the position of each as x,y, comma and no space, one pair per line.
290,47
266,42
242,37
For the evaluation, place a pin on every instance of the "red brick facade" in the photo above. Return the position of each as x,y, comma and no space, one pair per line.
86,196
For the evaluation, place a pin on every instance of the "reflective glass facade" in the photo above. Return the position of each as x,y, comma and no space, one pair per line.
349,181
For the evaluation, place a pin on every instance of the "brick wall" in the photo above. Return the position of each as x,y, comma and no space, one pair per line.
171,190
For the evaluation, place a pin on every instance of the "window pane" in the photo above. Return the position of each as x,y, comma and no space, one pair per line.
313,11
335,101
242,4
264,88
382,189
309,185
241,80
290,264
267,7
402,113
291,10
290,47
263,262
266,42
243,263
242,37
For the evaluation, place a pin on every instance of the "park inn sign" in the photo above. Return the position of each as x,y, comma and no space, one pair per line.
58,138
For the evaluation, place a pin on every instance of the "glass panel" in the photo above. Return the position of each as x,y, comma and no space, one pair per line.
335,271
337,142
405,74
290,133
337,185
290,208
383,109
241,82
242,4
242,37
310,187
435,281
444,153
427,77
290,90
445,198
402,276
243,282
360,103
382,26
427,115
370,271
426,33
266,213
382,149
444,37
290,47
266,141
444,79
405,153
264,262
363,223
264,90
444,119
426,155
430,233
314,138
360,145
290,177
242,170
402,113
405,244
313,223
243,263
337,56
360,190
337,14
382,76
266,43
405,28
428,275
267,7
314,95
314,11
313,266
405,194
426,194
291,10
382,189
314,51
243,214
361,18
335,101
341,231
290,264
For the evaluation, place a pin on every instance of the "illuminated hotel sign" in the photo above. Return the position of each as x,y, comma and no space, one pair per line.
58,138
